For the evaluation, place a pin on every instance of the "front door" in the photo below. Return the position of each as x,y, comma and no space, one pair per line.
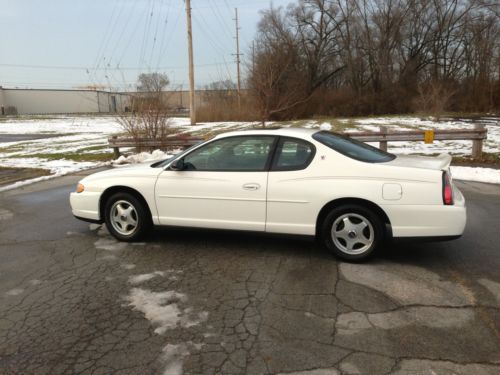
223,185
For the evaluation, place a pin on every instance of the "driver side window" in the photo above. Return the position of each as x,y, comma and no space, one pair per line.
245,153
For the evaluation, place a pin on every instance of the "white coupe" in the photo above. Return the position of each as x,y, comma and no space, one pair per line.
348,194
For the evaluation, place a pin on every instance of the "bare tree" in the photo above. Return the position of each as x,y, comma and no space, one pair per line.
149,119
377,56
152,82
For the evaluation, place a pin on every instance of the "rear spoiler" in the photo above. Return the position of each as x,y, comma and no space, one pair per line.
444,161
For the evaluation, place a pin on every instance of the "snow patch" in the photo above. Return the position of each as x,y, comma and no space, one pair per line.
138,279
15,292
108,257
109,244
325,126
160,308
144,157
5,214
163,311
488,175
173,358
127,266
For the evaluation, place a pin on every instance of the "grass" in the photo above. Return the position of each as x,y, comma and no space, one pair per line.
74,156
488,160
10,175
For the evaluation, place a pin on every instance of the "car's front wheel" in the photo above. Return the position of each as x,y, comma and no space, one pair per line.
352,232
126,217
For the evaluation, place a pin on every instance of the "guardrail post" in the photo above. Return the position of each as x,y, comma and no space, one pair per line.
477,144
116,150
383,144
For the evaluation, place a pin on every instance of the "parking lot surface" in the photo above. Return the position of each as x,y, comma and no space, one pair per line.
74,300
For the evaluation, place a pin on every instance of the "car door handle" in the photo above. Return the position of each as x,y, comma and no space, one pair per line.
251,186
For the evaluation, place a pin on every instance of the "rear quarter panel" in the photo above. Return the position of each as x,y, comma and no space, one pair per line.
295,198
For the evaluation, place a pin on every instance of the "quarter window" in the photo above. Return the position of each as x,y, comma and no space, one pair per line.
293,154
244,153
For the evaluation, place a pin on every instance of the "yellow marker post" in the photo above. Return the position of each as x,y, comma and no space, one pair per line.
429,136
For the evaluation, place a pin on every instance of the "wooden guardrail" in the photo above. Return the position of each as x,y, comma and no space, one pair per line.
476,135
151,144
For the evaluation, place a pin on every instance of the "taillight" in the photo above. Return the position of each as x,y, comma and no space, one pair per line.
447,190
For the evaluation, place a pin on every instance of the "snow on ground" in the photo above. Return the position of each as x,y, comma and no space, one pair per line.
402,123
87,136
144,157
488,175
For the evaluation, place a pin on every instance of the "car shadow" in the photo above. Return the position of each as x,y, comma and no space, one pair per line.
260,243
410,253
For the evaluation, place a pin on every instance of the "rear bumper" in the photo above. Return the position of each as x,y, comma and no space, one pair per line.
430,221
426,239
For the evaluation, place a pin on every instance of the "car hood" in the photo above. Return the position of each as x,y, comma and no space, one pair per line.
441,162
133,170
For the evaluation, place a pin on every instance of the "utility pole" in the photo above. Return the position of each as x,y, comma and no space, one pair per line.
192,109
238,54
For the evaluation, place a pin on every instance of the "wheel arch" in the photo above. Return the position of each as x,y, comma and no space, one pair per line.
120,189
357,201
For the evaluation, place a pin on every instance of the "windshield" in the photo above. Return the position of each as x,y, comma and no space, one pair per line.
162,163
352,148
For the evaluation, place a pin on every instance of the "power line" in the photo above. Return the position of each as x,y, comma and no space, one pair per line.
60,67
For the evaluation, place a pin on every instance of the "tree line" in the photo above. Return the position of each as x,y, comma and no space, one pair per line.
362,57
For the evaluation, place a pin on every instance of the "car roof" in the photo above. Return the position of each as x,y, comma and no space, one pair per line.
285,132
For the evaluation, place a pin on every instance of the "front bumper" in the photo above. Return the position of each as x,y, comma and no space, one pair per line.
85,206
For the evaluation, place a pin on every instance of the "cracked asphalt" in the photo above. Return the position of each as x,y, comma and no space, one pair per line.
73,300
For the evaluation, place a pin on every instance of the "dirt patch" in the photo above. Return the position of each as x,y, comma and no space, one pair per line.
10,175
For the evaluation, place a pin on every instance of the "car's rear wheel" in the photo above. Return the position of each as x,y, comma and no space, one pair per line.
127,219
352,232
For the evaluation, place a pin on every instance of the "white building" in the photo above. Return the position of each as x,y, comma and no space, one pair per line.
47,101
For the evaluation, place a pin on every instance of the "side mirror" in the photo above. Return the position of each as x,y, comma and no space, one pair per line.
177,165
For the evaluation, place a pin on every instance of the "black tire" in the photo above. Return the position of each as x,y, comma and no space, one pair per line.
363,242
139,213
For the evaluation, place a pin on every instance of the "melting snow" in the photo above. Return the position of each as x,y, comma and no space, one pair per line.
110,244
160,308
128,266
138,279
14,292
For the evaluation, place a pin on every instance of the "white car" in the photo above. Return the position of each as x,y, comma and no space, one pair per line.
349,194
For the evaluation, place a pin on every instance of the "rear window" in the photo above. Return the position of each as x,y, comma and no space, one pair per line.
352,148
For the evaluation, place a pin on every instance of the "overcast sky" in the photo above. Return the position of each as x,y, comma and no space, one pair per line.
70,43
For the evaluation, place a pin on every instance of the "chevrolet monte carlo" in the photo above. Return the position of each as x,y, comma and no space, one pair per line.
348,194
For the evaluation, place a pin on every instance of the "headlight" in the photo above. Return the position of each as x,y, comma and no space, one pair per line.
80,188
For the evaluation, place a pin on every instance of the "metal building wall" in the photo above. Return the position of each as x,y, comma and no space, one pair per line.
38,101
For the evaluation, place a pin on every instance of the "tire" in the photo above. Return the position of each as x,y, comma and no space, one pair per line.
352,232
134,222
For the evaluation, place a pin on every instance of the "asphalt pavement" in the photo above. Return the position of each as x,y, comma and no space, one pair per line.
74,300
